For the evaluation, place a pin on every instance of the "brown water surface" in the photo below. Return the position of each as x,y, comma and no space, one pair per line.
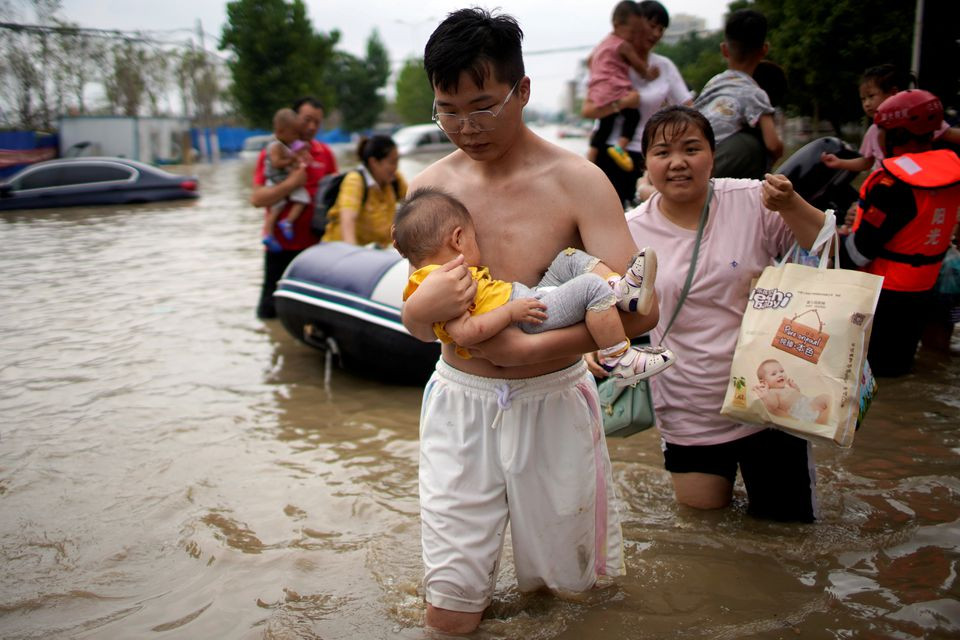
171,467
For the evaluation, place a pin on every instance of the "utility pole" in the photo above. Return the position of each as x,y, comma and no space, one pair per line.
917,40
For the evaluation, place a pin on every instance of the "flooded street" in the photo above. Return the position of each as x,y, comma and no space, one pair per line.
172,467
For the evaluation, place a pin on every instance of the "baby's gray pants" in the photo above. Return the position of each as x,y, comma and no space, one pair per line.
569,289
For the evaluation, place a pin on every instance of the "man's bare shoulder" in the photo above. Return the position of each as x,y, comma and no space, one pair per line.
572,164
440,172
576,175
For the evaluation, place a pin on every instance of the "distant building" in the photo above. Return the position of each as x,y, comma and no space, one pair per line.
150,140
681,25
572,98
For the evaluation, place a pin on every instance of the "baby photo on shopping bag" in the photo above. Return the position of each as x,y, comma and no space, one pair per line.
782,395
801,352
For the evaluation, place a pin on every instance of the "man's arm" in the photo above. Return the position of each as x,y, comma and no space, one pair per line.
269,195
445,293
603,230
512,347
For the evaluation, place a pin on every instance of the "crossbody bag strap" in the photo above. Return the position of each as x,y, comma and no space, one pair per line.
693,258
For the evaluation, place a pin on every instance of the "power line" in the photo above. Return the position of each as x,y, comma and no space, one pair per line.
541,52
140,36
70,31
110,34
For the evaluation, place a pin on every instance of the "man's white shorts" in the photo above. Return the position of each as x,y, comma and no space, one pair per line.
531,452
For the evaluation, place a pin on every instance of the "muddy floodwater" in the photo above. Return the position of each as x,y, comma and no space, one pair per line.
172,467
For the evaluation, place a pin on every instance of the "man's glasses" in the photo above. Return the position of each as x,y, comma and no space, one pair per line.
485,120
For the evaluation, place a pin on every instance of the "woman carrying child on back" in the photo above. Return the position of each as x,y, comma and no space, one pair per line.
610,84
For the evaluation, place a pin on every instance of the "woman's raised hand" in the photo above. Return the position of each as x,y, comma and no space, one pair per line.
778,192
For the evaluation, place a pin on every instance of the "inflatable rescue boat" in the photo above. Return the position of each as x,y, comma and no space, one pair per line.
346,300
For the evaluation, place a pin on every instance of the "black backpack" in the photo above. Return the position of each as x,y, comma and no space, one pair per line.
327,191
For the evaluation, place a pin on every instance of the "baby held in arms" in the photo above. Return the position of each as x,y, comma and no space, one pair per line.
782,396
432,228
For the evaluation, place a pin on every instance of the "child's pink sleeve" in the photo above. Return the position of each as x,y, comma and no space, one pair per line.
870,146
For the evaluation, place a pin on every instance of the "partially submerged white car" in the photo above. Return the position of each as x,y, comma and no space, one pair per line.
421,138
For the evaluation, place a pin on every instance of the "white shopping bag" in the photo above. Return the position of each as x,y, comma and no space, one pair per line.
800,357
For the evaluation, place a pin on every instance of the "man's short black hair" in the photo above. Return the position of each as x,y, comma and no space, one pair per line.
313,102
654,12
475,41
745,33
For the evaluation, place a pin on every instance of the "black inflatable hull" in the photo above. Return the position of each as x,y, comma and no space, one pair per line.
327,299
821,186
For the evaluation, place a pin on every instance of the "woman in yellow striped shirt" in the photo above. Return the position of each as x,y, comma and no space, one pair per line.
368,196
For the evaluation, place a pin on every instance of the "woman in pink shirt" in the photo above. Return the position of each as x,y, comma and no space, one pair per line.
748,224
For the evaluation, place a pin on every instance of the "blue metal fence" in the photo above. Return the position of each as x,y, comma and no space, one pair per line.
231,139
13,144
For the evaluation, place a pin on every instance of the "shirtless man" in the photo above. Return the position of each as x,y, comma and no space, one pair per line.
514,433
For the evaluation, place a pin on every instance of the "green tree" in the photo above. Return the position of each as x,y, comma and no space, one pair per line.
124,79
825,45
80,56
414,93
21,82
357,84
277,56
196,76
697,57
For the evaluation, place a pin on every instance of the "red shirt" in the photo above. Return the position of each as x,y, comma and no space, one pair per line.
323,163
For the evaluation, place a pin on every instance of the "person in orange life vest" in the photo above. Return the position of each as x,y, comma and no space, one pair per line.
905,221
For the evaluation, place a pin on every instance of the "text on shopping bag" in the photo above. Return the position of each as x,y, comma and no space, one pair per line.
801,340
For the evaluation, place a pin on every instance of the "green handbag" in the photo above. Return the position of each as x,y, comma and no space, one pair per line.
626,410
629,410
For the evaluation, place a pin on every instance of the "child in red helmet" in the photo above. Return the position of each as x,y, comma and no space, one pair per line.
905,222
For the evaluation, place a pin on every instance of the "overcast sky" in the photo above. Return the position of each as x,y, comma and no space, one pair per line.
547,25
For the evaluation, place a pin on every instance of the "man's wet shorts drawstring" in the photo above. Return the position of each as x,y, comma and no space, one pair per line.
509,392
504,393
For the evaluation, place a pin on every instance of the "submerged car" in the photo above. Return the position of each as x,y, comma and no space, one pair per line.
73,182
421,138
